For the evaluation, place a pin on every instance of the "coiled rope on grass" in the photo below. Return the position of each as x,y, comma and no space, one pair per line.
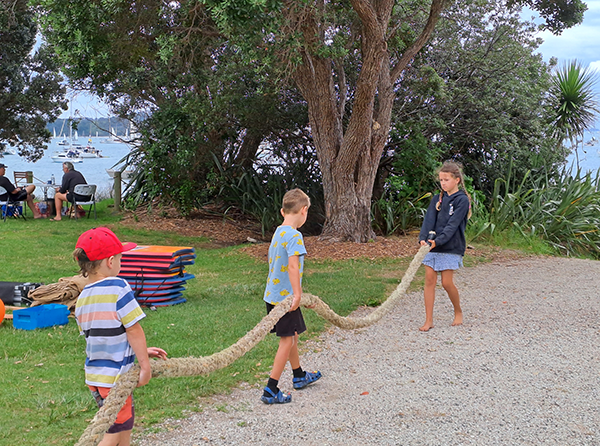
178,367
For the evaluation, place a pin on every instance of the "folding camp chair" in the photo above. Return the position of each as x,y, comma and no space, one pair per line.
10,208
87,190
22,179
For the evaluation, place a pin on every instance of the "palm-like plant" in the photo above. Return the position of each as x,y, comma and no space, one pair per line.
575,105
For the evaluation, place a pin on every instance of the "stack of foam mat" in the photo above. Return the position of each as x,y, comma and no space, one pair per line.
157,274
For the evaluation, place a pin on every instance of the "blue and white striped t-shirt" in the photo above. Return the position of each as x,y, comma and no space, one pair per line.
104,310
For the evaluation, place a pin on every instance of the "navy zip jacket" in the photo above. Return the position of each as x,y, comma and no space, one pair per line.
449,223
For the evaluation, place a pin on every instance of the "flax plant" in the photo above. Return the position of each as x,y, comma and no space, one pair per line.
563,211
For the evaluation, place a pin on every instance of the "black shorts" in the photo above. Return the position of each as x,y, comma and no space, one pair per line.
19,196
290,323
79,197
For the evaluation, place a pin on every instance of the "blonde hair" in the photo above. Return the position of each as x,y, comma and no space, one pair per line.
86,266
294,200
454,169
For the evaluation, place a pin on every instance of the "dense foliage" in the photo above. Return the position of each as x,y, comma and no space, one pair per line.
195,98
479,93
565,212
31,93
223,91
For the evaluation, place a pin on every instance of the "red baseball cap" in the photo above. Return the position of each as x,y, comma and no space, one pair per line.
101,243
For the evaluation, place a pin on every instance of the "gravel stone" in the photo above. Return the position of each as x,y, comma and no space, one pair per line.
522,370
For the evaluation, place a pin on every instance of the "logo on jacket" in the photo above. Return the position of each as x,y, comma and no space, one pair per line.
451,211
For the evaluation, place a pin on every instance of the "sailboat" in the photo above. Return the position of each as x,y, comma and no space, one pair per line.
63,141
8,151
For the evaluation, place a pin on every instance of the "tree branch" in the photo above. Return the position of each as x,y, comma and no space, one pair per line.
437,7
367,14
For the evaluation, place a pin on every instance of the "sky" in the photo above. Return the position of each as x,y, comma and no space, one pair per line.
581,42
84,104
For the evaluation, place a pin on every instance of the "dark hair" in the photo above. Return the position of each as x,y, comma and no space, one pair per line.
86,266
294,200
454,169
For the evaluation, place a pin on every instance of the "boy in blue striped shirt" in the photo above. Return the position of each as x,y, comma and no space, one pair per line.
108,315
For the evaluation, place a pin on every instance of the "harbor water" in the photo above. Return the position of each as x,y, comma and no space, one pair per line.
588,155
93,169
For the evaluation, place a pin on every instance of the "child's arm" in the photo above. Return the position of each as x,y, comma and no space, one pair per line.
137,340
429,220
294,275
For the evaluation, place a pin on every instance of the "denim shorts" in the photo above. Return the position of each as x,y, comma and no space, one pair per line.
442,261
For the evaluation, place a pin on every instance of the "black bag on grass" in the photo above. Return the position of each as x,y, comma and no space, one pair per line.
15,293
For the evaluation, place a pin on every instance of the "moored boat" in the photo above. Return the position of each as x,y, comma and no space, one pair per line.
8,151
68,155
89,152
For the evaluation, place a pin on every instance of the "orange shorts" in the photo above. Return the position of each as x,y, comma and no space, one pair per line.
126,415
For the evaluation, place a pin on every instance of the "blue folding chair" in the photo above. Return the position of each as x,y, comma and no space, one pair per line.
10,208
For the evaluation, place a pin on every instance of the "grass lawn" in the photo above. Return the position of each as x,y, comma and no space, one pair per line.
45,398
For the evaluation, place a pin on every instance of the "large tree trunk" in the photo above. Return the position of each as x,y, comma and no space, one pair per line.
349,159
249,148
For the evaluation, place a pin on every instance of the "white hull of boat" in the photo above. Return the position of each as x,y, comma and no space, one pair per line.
62,157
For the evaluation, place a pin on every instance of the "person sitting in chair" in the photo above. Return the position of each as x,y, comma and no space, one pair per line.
70,179
18,193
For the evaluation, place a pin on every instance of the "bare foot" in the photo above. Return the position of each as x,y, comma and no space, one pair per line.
458,319
426,327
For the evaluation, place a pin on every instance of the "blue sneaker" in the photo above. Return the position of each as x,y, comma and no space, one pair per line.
309,378
280,398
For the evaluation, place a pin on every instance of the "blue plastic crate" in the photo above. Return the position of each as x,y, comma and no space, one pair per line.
41,316
13,210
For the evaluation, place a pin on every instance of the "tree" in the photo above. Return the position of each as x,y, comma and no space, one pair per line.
350,114
479,91
347,58
31,93
199,99
575,107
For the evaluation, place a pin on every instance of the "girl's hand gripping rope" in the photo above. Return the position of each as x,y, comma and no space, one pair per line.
430,240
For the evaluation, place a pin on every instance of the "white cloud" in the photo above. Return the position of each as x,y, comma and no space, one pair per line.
595,65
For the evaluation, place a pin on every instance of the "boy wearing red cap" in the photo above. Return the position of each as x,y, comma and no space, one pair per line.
108,315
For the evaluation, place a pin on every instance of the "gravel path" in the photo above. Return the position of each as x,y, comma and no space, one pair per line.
522,370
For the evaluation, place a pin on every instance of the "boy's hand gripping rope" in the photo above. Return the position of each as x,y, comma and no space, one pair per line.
177,367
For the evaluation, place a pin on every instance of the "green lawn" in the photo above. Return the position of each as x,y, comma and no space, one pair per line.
42,370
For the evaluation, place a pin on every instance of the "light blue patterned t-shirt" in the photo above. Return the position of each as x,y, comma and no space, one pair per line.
286,242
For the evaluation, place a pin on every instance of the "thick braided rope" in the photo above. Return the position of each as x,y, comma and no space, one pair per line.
350,323
177,367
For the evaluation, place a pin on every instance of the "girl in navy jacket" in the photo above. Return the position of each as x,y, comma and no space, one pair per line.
446,220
